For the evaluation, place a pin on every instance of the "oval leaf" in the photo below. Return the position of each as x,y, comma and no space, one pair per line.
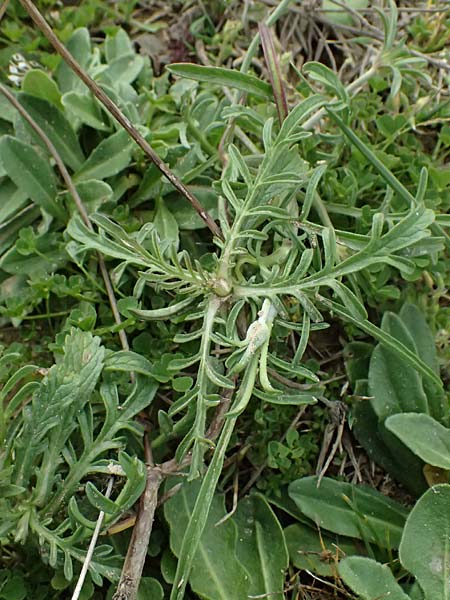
217,574
352,510
369,579
424,436
261,548
425,549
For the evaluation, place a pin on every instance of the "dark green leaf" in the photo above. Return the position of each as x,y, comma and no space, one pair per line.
351,510
260,547
424,436
31,173
56,127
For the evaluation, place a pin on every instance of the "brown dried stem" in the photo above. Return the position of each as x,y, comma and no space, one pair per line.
115,111
273,68
137,549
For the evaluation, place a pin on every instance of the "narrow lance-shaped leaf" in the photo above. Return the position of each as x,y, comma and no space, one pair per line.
221,76
57,128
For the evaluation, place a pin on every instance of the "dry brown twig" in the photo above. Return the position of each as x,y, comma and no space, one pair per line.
137,550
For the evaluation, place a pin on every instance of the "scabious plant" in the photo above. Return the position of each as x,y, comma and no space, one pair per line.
273,274
269,254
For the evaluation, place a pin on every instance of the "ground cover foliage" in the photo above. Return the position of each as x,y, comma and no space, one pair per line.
267,401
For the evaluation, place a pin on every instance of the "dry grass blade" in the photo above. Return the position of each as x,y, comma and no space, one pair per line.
115,111
90,551
273,67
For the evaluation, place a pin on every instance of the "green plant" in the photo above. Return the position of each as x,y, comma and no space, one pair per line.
66,432
423,552
240,281
399,399
233,316
335,519
239,554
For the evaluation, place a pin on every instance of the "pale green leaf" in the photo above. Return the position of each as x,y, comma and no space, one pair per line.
38,83
425,549
110,157
370,579
79,46
87,109
225,77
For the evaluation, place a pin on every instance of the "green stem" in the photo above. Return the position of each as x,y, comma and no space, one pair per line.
205,496
202,382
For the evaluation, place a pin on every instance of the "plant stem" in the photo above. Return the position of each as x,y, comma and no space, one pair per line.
202,379
137,548
205,496
92,544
